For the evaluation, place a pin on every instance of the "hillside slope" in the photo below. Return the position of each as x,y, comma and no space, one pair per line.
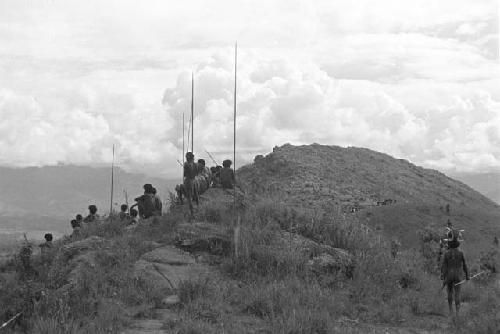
317,176
486,183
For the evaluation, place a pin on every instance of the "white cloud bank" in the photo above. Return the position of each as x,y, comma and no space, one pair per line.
415,79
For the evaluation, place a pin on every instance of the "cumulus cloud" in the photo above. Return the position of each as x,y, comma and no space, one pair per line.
414,79
303,104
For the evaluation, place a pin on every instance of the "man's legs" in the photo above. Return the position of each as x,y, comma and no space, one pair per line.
457,298
449,290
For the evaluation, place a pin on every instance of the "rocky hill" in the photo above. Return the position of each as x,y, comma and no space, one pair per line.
356,179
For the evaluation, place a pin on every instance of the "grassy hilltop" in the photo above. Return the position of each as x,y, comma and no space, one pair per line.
336,178
298,261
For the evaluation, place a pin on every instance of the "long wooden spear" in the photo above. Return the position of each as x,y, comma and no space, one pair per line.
183,129
234,116
236,217
192,112
112,181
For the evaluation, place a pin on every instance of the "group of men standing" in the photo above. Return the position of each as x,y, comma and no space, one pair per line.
197,178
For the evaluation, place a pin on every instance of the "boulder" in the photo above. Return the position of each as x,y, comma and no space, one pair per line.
77,247
335,261
168,255
322,258
204,237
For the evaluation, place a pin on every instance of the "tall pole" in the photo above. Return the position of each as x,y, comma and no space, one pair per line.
192,112
236,216
183,129
112,181
234,117
234,123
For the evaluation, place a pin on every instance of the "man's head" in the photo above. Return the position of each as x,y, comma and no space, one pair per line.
201,162
74,223
124,207
92,209
79,217
153,191
227,163
133,213
189,156
454,243
148,188
48,236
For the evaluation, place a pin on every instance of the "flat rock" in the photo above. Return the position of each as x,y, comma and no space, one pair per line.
204,237
168,255
168,276
146,326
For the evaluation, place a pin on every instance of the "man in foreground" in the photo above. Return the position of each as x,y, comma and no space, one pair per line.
451,272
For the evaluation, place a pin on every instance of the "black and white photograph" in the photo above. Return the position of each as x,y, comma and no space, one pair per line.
249,167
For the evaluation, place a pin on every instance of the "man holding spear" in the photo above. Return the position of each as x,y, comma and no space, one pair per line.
451,272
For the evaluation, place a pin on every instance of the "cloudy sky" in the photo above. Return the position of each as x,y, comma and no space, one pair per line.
417,79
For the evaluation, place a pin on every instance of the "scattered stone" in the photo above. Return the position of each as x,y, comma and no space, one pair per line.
168,255
338,259
171,301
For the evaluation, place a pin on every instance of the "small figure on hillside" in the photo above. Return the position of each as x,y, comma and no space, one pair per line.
179,189
227,179
123,212
46,247
190,172
79,219
75,225
495,241
93,216
451,273
447,209
158,204
145,203
215,177
25,255
395,245
204,171
134,219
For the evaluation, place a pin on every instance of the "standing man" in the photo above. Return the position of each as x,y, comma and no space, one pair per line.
451,272
190,172
227,175
93,216
158,204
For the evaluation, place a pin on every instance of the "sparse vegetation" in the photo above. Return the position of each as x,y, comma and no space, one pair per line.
269,284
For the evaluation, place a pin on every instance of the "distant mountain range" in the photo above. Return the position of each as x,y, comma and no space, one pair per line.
487,184
35,196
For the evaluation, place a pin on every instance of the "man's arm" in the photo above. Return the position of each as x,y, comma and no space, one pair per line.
444,266
466,270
